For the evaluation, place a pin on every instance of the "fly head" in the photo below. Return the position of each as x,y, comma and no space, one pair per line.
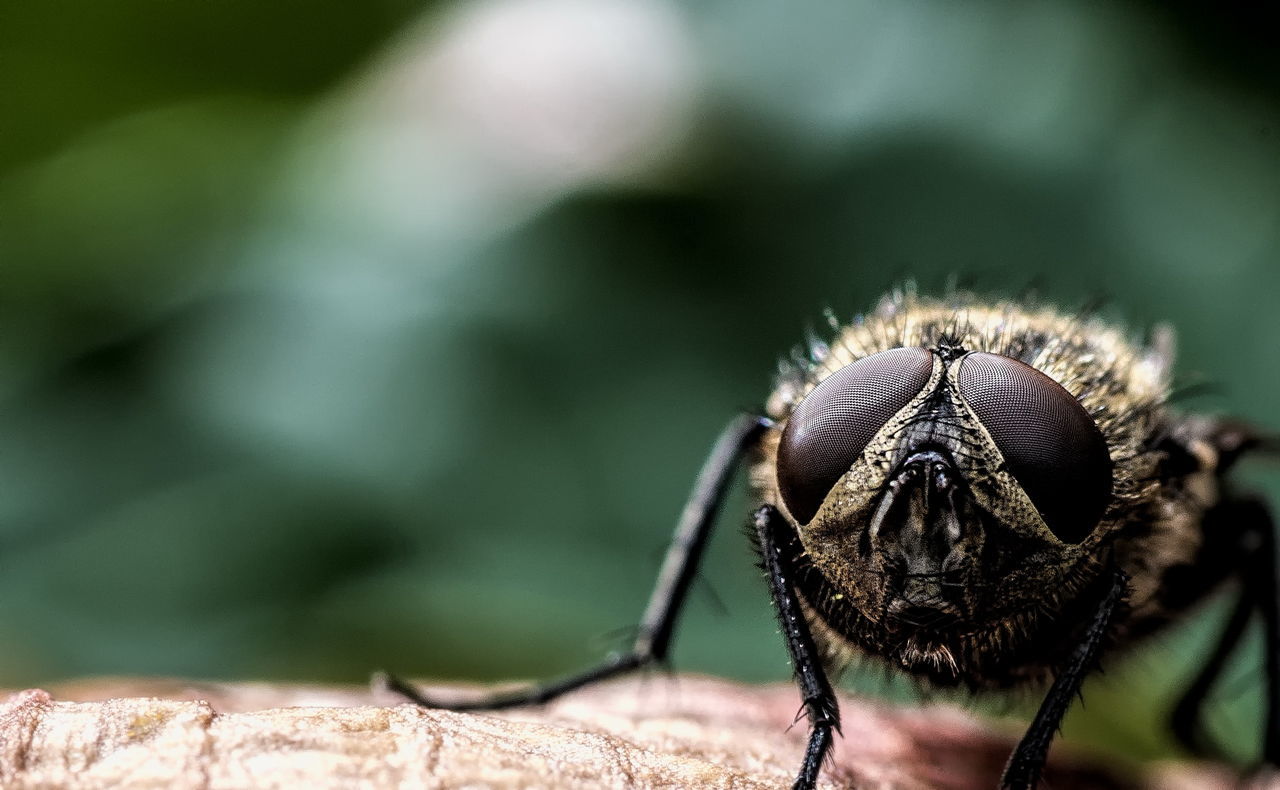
940,493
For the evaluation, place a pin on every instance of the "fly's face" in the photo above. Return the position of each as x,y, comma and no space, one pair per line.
937,489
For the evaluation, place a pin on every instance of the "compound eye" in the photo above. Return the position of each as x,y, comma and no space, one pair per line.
831,427
1052,446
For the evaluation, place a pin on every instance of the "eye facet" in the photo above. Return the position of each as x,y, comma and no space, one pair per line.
831,427
1052,446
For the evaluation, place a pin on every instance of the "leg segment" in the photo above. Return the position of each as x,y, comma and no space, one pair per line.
1264,581
1254,553
669,593
819,700
1022,772
1186,719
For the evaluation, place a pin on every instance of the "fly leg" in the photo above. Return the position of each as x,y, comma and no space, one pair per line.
1187,718
1022,772
653,643
819,700
1254,555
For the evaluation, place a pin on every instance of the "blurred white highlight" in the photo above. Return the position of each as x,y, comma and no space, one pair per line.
502,105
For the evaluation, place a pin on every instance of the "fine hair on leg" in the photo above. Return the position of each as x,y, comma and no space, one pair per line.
820,703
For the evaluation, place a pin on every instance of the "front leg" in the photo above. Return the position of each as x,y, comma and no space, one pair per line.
819,700
1022,772
653,642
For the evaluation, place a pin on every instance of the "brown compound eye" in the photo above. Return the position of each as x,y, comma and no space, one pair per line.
1052,446
831,427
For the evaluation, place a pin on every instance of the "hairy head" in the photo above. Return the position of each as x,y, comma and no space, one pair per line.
955,471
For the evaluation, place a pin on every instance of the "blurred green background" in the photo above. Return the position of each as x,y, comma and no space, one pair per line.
339,336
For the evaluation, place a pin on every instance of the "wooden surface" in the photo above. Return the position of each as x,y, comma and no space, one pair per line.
683,732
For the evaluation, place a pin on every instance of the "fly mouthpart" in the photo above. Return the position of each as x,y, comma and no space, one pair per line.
915,530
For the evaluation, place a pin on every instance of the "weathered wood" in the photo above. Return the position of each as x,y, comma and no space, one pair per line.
685,732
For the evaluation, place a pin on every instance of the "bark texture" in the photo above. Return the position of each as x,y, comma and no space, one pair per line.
686,732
